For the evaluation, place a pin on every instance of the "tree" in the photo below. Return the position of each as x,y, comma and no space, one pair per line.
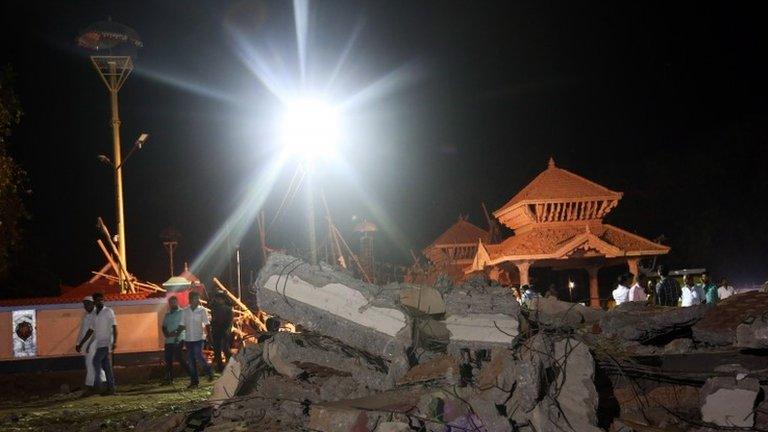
12,176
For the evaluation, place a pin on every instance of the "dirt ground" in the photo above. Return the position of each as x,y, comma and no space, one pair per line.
133,407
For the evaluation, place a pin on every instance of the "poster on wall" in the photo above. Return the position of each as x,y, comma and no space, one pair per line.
24,333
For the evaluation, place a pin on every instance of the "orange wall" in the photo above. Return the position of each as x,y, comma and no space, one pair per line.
138,329
6,338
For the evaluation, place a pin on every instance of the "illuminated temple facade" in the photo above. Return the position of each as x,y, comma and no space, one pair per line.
557,221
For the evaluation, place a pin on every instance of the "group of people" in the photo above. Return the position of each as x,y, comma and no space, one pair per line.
183,328
668,292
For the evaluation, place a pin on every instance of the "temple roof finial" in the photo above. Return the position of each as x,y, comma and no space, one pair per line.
551,163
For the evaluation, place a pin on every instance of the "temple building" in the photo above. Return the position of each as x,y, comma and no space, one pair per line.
557,221
451,252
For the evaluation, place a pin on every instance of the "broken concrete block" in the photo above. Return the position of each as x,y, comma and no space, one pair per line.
499,373
726,401
569,399
553,312
658,404
422,300
480,298
678,346
441,368
334,419
393,427
294,354
226,386
754,335
334,304
489,415
638,322
242,372
480,331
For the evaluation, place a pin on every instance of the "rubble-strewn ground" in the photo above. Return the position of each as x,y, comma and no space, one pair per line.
134,406
468,357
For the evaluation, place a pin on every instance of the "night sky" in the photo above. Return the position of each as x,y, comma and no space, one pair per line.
665,101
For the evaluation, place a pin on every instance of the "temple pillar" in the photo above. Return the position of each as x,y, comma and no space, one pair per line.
594,288
522,268
634,266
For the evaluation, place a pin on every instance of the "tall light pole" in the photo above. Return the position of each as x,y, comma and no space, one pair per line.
310,129
115,46
170,238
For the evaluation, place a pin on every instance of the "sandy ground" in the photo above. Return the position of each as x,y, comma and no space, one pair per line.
134,405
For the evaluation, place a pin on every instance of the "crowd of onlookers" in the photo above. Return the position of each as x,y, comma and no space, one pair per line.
668,291
663,290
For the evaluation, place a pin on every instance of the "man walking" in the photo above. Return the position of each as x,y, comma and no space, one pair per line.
221,329
667,290
103,328
90,347
174,339
196,326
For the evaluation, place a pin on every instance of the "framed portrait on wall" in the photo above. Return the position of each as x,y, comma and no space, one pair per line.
24,333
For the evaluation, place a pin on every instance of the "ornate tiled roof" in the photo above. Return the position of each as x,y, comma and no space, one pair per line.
555,183
462,232
557,241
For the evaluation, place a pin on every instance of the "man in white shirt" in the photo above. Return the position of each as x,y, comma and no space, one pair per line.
103,328
197,326
725,290
689,295
90,347
621,293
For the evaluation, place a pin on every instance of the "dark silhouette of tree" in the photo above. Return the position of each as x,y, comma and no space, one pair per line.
13,185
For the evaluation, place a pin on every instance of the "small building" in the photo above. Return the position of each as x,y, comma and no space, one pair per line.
557,221
453,250
47,327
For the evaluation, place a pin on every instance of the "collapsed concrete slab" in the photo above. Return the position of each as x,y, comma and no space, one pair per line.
480,316
638,322
243,371
421,300
553,312
324,300
754,335
477,297
718,326
726,401
297,354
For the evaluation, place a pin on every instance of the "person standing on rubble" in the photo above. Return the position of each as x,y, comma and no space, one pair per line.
637,291
709,289
528,293
689,295
196,326
221,329
725,290
103,328
667,290
621,293
174,339
90,347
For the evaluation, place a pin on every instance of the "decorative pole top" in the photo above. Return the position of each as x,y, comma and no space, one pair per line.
551,163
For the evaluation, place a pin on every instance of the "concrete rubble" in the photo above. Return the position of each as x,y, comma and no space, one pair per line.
458,357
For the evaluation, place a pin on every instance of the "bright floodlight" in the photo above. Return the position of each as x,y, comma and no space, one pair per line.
310,128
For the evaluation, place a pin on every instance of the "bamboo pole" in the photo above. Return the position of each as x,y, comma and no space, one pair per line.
262,325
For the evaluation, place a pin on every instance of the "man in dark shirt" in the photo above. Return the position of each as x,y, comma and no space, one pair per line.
667,290
221,329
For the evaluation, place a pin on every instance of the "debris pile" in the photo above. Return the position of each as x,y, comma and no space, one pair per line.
468,357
